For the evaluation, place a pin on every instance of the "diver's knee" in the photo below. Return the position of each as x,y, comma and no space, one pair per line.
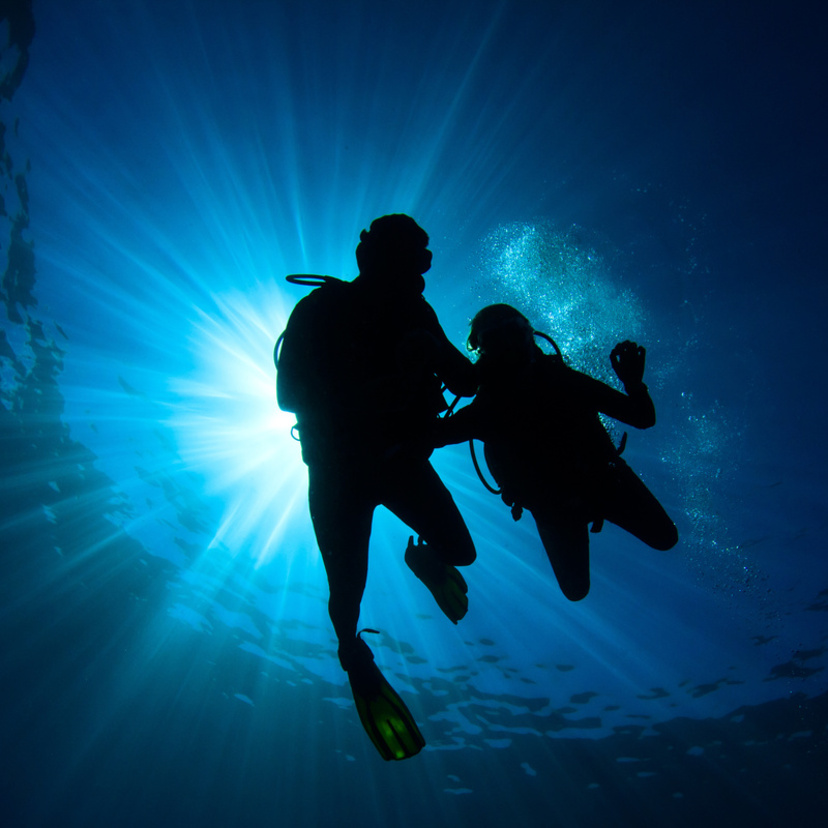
576,590
468,557
461,553
667,540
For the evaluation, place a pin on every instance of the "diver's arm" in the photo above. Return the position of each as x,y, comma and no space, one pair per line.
450,365
634,408
456,370
627,359
639,405
457,428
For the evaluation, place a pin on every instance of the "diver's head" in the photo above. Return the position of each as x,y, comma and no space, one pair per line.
500,332
395,248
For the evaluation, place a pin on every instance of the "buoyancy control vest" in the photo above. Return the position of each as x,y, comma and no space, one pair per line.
344,367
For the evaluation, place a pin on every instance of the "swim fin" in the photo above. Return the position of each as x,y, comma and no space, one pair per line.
445,583
387,721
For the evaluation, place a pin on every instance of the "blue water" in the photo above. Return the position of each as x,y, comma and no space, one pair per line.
644,170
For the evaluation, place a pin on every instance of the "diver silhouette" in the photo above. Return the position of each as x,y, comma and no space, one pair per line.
362,365
547,448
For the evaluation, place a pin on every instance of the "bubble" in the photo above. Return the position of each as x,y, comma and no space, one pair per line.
561,279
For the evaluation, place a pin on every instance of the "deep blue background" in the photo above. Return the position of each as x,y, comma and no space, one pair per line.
615,169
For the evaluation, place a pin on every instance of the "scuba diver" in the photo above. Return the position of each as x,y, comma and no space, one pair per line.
362,365
546,447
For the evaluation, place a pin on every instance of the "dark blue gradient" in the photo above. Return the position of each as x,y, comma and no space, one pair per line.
640,170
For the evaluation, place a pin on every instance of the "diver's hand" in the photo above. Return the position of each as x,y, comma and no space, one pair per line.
627,360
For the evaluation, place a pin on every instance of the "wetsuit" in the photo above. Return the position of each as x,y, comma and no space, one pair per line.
364,414
549,452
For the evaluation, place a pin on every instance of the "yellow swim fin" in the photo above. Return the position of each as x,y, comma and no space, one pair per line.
387,721
445,583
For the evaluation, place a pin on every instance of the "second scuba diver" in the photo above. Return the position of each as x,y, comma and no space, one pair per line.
547,448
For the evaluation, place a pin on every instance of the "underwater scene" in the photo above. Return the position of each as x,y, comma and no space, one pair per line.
641,171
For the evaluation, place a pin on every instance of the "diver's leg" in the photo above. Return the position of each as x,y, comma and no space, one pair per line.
566,541
633,507
341,512
414,492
